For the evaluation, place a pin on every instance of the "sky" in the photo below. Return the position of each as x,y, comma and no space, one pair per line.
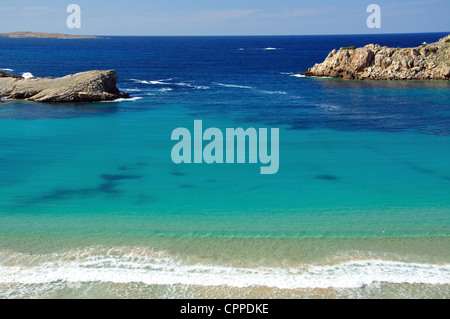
226,17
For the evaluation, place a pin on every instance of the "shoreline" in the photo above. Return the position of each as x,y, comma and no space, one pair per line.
148,272
264,249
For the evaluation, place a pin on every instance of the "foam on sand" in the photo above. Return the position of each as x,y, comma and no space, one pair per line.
142,265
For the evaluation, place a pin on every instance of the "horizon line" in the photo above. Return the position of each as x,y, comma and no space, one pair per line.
233,35
266,35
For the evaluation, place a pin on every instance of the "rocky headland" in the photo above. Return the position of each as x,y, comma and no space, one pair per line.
43,35
90,86
373,62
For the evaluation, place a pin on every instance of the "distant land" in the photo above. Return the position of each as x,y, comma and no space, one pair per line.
43,35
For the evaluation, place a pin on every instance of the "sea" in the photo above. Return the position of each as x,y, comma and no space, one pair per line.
93,206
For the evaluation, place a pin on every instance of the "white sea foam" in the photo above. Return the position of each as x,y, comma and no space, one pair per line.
157,82
27,75
7,70
198,87
234,86
271,49
166,82
132,99
140,265
274,92
251,88
304,76
329,107
149,82
131,90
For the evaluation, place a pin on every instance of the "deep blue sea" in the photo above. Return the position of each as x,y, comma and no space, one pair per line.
92,205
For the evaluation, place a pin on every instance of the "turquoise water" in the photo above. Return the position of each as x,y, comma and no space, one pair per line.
94,185
329,181
91,204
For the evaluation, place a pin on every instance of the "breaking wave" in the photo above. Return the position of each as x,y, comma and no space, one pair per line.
27,75
142,265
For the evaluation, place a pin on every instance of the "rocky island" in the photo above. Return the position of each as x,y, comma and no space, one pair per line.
373,62
90,86
43,35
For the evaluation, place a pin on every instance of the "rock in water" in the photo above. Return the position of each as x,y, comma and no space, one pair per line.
373,62
90,86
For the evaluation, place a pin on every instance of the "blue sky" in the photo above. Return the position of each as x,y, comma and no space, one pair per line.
230,17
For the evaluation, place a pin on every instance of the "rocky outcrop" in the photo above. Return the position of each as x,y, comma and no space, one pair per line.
373,62
90,86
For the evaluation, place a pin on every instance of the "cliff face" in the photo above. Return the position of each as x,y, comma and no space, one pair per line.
88,86
373,62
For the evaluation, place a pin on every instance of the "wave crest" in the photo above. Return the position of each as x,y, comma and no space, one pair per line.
143,265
